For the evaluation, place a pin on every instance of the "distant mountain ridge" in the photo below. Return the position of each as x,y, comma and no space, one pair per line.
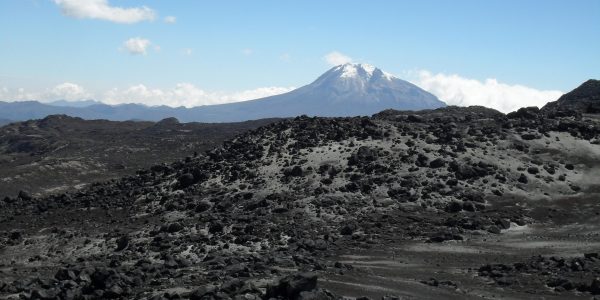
344,90
29,110
81,103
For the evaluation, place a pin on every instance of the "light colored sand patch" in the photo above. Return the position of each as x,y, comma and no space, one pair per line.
356,257
362,286
553,244
381,263
446,248
516,229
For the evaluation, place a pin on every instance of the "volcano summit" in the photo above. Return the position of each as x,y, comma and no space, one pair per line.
344,90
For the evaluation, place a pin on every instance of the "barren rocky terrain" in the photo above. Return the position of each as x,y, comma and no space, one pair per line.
452,203
60,153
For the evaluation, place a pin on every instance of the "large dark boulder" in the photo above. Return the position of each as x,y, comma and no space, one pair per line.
186,180
464,171
295,171
122,243
203,292
595,286
65,274
437,163
523,178
23,195
453,207
528,113
174,227
292,286
362,156
41,294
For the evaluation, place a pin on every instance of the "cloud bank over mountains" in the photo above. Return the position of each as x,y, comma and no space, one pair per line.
182,94
185,94
456,90
65,91
452,89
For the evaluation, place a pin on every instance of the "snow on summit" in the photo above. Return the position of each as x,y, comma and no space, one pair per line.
366,71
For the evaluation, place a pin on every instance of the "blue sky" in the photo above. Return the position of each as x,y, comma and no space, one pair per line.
221,48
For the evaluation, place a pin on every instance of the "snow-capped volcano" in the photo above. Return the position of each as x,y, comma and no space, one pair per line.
363,83
344,90
358,71
351,78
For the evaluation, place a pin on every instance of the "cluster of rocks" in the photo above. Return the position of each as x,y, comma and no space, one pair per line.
579,274
116,283
60,152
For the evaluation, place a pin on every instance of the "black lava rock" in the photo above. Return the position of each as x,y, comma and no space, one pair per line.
437,163
122,243
23,195
347,229
291,286
523,178
595,286
454,207
203,205
186,180
445,236
533,170
174,227
296,171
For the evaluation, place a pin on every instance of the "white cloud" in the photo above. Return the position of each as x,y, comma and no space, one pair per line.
137,45
336,58
64,91
460,91
188,51
254,94
170,19
16,94
68,91
182,94
22,94
185,94
102,10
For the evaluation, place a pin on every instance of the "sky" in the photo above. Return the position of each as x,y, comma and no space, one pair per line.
499,53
